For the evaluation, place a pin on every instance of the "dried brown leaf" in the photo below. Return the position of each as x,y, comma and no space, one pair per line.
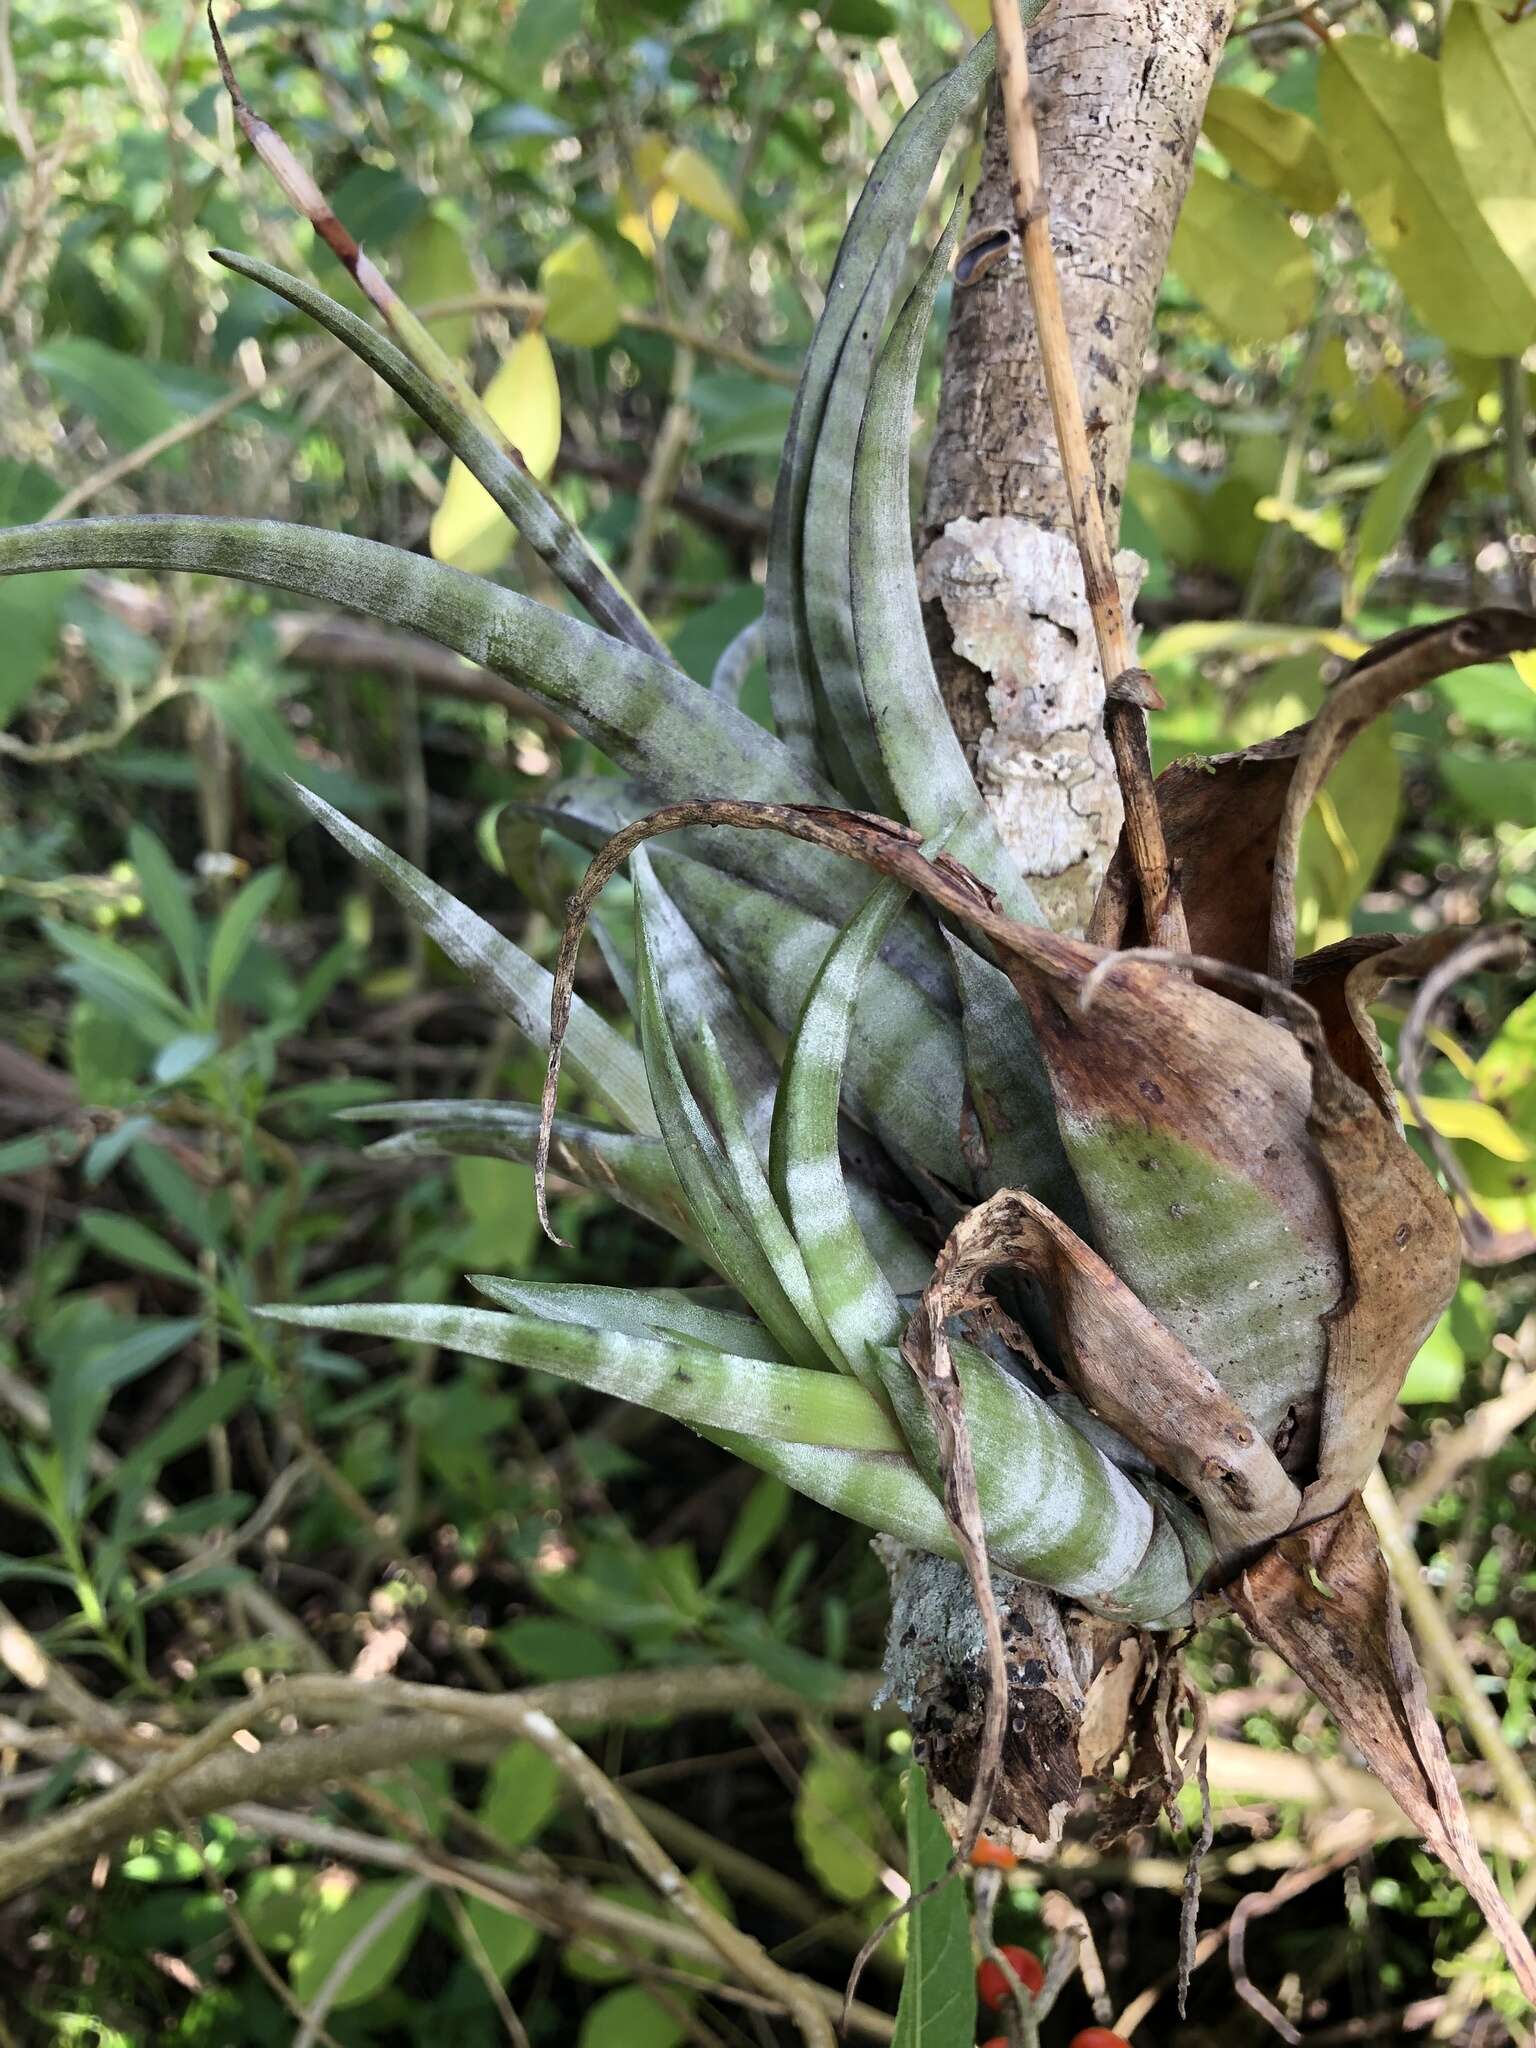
1322,1599
1123,1364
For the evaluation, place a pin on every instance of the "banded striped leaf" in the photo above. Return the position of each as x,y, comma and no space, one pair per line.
518,986
924,761
690,1382
674,1313
646,715
632,1169
508,483
885,213
707,1180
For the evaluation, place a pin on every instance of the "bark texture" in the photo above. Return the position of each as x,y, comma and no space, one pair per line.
1120,92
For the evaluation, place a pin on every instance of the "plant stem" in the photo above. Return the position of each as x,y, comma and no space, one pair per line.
1125,685
1447,1655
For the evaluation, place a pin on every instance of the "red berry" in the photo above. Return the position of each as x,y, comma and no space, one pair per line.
997,2041
1099,2037
993,1988
993,1856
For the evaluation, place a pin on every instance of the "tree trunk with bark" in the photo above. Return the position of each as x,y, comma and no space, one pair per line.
1119,97
1119,100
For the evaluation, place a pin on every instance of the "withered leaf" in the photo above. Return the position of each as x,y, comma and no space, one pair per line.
1123,1363
1233,821
1404,1248
1322,1599
1384,673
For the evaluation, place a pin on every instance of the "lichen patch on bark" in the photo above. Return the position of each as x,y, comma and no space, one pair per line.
1012,599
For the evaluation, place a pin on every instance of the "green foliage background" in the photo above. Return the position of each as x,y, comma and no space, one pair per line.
1333,441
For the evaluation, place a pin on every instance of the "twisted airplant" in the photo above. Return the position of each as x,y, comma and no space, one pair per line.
1222,1254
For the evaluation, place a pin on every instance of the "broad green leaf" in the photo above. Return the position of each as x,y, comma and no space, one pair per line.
522,1792
549,1649
694,179
839,1825
706,1388
508,1940
938,1989
582,304
469,530
236,929
1390,505
434,265
631,2018
1271,146
1509,1064
272,1903
504,1225
1436,1374
119,392
1385,131
1242,259
338,1914
1488,89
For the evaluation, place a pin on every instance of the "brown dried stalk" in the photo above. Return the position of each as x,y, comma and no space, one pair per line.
1389,670
1127,687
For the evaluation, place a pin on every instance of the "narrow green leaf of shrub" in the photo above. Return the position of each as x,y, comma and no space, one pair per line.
885,214
537,518
518,986
689,1382
647,716
669,1312
236,928
923,759
169,903
634,1170
938,1987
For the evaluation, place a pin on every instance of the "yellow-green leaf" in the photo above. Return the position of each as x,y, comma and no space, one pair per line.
1479,1123
582,303
1244,262
469,530
975,15
650,204
695,180
339,1914
434,265
1272,147
1390,505
1386,136
1488,91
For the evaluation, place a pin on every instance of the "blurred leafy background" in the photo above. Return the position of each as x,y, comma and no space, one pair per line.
629,210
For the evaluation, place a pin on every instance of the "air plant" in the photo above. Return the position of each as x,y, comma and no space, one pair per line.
1223,1253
